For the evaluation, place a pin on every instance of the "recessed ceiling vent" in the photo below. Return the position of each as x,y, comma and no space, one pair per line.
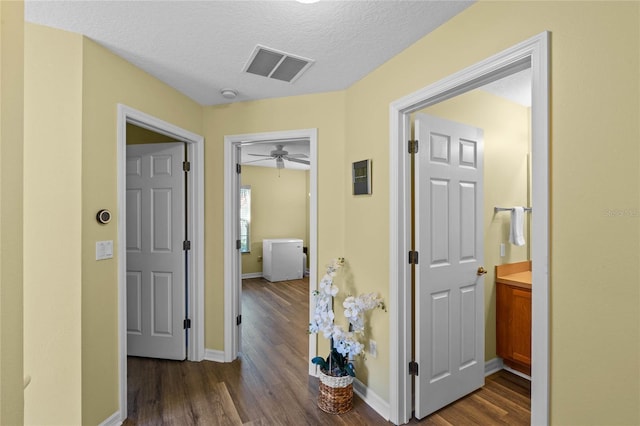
273,63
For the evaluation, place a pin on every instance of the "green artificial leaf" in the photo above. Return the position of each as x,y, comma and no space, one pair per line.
320,361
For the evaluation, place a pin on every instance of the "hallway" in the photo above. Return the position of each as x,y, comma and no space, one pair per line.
268,383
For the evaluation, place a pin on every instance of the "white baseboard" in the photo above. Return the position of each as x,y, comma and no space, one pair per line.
113,420
372,399
493,366
496,364
213,355
252,275
517,373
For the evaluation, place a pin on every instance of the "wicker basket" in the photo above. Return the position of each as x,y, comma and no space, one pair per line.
336,394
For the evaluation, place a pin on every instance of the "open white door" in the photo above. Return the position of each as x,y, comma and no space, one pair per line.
449,294
155,253
238,265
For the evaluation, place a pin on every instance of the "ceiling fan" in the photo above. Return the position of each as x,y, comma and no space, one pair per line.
280,155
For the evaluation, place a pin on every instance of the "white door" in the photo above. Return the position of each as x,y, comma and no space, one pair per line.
449,302
155,253
238,255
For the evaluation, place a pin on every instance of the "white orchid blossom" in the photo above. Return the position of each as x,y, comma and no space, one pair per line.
345,342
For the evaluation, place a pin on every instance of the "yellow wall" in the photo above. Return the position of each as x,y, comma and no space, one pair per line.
52,235
506,145
594,173
11,198
70,138
594,167
107,81
322,111
278,209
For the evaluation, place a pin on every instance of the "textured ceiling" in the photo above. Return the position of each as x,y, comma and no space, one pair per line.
201,47
516,87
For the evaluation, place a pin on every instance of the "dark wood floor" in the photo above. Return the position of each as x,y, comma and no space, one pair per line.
268,384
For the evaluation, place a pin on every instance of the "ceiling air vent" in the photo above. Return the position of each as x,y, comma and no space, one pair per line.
272,63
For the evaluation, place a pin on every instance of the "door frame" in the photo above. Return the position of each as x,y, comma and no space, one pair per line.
533,53
232,263
195,218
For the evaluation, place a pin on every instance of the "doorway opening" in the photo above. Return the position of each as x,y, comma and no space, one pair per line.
274,208
195,234
232,253
533,54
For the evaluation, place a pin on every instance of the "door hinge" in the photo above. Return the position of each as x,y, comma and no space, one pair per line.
186,245
238,245
239,320
186,166
413,368
186,323
238,168
413,258
413,147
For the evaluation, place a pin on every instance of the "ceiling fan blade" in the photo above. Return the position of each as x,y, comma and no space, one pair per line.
297,160
259,155
255,161
298,155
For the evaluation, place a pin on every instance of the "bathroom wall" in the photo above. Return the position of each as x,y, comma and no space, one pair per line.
506,147
278,209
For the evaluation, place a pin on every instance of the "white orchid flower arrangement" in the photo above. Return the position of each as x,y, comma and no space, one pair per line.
345,344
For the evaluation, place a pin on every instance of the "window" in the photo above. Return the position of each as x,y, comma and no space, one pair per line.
245,218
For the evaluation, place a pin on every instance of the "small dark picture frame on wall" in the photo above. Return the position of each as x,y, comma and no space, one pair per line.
362,177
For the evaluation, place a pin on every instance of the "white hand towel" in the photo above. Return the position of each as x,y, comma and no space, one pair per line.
516,234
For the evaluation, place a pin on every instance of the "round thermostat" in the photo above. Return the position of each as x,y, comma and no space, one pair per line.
104,216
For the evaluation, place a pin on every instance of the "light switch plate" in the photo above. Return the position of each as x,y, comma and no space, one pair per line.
104,250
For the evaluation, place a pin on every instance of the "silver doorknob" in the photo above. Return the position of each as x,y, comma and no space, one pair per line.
481,271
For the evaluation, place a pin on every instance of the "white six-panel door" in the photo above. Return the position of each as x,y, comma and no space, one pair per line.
449,294
155,256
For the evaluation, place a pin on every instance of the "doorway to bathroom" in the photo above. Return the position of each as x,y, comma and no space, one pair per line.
473,156
532,54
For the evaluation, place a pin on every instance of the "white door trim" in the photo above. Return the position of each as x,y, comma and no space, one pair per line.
195,150
231,254
534,53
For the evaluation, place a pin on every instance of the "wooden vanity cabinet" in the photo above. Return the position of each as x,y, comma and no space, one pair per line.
513,318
